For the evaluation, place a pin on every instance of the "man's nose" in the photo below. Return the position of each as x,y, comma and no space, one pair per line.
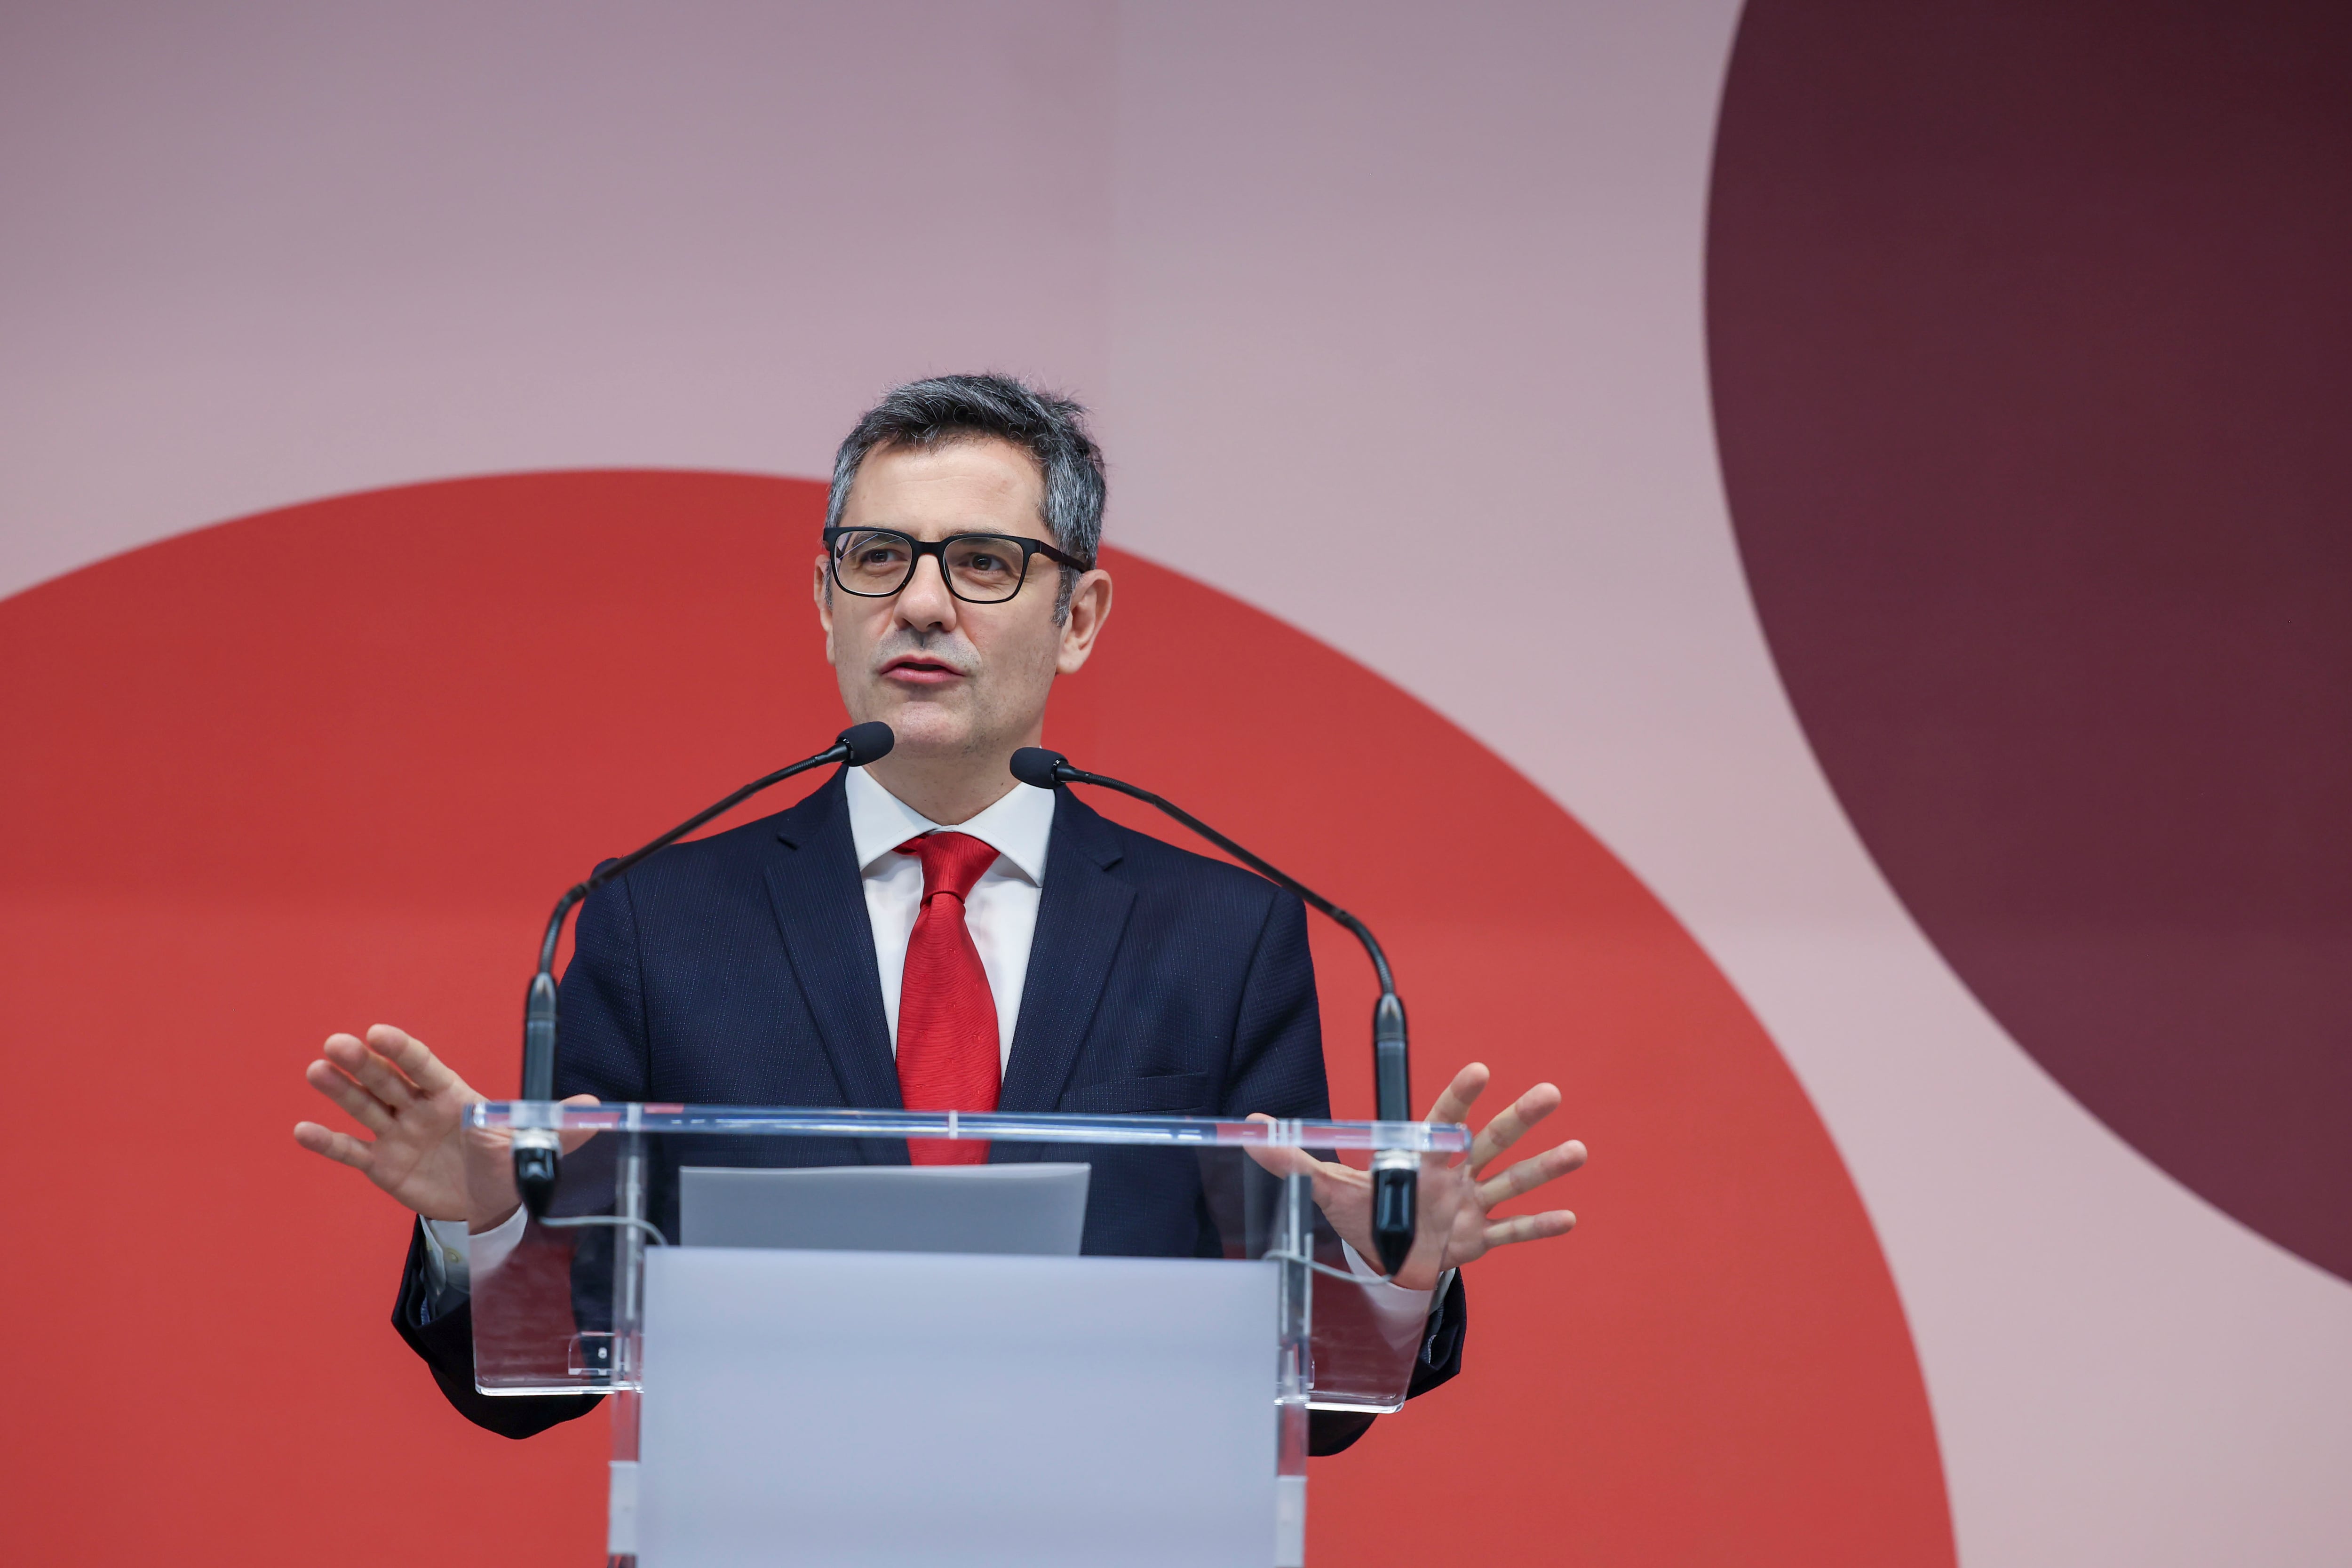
925,602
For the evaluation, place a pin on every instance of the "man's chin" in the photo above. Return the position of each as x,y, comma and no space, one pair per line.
926,729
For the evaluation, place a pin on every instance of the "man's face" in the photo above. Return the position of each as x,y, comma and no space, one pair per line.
955,680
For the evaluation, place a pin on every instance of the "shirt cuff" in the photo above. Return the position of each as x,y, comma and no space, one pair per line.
1403,1314
453,1256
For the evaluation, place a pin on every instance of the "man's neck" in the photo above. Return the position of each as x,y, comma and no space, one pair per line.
946,791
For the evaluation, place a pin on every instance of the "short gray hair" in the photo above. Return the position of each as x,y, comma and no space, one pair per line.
924,414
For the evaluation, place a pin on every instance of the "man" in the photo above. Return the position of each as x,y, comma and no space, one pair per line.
925,932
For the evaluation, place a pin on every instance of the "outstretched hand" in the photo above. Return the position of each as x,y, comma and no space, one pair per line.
1458,1199
422,1151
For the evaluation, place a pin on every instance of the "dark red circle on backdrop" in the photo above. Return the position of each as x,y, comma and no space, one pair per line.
327,766
2032,349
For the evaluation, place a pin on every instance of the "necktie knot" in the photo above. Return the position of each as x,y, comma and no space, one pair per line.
952,862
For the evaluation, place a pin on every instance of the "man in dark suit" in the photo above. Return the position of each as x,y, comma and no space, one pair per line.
926,933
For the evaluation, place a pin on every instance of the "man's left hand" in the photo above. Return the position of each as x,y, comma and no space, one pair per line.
1457,1197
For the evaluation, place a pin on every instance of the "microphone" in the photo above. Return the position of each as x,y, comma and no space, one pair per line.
537,1151
1395,1172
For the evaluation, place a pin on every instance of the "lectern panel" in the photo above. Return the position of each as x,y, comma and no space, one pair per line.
954,1409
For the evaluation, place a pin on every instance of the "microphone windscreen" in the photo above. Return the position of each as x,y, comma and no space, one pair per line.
1036,765
867,743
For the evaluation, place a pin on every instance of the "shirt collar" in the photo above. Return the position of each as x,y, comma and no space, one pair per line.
1018,826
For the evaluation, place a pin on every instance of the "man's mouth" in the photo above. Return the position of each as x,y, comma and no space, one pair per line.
915,670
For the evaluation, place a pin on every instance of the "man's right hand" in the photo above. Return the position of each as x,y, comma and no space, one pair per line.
421,1153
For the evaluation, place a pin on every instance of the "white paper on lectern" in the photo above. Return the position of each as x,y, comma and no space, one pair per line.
887,1408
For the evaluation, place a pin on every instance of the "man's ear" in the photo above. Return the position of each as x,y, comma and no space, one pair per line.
1089,608
822,591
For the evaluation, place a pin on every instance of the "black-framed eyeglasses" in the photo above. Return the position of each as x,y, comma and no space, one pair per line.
980,568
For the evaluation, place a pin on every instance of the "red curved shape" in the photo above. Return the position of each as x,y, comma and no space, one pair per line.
326,766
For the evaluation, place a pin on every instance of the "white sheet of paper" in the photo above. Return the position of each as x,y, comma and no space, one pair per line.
889,1408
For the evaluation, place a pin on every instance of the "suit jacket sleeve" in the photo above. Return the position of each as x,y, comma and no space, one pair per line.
601,1006
1278,1068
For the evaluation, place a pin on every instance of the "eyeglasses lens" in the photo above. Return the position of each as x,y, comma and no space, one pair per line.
985,570
873,563
981,569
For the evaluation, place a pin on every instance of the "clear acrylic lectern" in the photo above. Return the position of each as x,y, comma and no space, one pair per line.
1143,1402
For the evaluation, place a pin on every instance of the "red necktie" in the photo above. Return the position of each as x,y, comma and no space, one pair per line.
948,1044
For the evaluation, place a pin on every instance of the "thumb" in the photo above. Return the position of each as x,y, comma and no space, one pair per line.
573,1139
1281,1160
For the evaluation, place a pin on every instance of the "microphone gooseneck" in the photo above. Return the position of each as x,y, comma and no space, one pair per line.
1395,1172
538,1151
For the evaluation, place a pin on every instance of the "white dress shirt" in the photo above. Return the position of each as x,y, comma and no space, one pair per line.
1000,914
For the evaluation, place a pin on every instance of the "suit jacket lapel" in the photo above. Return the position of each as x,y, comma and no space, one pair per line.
820,908
1081,915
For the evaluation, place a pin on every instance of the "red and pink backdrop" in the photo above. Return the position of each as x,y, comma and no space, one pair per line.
1801,554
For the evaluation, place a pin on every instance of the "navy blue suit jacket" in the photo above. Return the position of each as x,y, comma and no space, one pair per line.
739,970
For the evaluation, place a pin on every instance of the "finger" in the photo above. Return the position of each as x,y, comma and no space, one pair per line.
1529,1227
361,1106
418,1065
353,1058
1280,1160
575,1139
1512,1125
341,1147
1529,1175
1454,1105
379,1077
340,1048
